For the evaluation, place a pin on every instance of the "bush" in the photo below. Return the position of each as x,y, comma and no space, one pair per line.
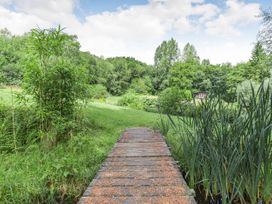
141,86
54,81
170,100
10,74
98,91
131,100
150,103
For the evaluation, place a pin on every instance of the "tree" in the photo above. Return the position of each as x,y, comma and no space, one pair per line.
12,51
189,55
265,34
217,75
125,70
182,75
259,69
205,62
166,55
141,85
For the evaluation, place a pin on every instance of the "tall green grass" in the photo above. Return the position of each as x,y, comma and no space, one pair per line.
60,174
226,149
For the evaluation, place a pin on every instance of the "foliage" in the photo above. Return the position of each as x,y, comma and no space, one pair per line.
189,55
19,127
150,103
131,100
166,55
98,91
62,173
52,79
12,50
229,147
125,71
259,63
265,34
170,100
182,75
119,74
244,90
141,85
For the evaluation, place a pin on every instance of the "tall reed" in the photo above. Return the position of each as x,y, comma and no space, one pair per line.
227,148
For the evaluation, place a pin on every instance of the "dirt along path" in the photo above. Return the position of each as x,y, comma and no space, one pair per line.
139,169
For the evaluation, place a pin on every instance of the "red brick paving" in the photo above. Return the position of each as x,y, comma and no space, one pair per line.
139,169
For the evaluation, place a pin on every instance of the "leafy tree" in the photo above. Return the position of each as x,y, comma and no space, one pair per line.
170,99
265,34
141,85
182,75
166,55
99,70
200,83
97,91
217,74
12,51
259,63
189,55
125,70
205,62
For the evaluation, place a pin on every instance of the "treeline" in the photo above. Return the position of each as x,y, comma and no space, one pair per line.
172,68
116,74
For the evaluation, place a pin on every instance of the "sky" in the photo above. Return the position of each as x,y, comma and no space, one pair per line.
221,30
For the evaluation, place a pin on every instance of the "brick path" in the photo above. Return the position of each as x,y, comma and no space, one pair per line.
139,169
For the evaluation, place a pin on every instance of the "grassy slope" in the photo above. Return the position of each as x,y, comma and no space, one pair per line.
63,172
6,94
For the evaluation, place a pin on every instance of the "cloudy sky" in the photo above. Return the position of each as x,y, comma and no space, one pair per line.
221,30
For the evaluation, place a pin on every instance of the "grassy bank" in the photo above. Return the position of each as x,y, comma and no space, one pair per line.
62,173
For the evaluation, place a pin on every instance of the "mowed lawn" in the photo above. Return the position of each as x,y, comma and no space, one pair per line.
62,173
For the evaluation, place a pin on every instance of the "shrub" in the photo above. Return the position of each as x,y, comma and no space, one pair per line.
10,74
53,80
141,86
131,100
150,103
98,91
170,100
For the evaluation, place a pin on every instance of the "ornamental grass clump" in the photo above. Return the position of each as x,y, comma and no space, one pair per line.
229,156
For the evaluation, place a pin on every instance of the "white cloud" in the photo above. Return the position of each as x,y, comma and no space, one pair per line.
135,30
19,23
226,52
237,14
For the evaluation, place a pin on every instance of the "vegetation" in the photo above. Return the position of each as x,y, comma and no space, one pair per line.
229,147
53,139
62,173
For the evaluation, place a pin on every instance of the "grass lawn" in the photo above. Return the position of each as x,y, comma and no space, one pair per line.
8,94
62,173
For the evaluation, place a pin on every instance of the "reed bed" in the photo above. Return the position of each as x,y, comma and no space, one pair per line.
225,149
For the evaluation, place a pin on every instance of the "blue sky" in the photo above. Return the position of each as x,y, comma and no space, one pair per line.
97,6
221,30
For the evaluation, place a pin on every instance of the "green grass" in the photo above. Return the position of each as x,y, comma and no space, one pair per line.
62,173
112,100
8,94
